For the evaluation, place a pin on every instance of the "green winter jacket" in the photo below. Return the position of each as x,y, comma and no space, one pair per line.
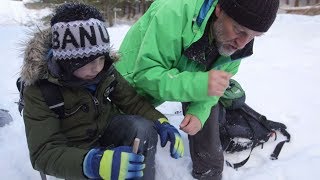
152,60
57,146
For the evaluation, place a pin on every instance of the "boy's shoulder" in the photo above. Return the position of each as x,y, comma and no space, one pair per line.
44,91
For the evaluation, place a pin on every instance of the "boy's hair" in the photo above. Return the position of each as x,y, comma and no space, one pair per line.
79,36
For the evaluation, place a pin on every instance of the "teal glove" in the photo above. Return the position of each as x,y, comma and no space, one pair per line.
167,132
115,164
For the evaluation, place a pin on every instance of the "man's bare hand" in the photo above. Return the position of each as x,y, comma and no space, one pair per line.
190,124
218,82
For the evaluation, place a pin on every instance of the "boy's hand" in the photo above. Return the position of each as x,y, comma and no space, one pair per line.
114,164
190,124
167,132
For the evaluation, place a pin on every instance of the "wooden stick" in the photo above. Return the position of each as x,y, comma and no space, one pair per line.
136,145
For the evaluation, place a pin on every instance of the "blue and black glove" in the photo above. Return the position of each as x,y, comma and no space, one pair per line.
167,132
115,164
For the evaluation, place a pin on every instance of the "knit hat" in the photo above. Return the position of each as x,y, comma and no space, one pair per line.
257,15
79,36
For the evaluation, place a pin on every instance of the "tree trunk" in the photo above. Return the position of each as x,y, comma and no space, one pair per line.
143,6
296,3
133,6
287,2
308,2
129,9
107,9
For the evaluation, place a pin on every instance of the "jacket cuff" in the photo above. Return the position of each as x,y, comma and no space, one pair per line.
202,109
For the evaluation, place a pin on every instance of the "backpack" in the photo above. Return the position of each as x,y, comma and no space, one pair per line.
243,128
50,92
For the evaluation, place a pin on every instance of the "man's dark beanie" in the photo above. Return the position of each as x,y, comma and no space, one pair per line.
257,15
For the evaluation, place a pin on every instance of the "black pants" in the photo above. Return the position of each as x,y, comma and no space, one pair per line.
205,148
124,129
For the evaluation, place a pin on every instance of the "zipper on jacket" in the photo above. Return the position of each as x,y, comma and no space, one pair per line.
96,101
73,112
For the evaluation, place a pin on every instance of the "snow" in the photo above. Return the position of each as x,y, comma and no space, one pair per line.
281,81
14,12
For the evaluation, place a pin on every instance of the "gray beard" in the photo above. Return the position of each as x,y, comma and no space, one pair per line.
223,51
217,32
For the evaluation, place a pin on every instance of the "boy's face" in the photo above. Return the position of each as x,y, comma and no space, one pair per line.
90,70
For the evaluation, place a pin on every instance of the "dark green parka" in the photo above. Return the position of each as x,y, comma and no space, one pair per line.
57,146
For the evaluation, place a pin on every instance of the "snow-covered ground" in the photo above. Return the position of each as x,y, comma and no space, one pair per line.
281,81
14,12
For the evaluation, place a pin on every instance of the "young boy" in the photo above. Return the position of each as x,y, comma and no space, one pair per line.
93,138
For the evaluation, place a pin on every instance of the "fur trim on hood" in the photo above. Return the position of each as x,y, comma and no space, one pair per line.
34,63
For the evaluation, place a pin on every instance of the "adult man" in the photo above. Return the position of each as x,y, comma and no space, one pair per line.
186,51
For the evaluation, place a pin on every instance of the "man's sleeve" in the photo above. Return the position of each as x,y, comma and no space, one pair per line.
125,97
202,109
159,54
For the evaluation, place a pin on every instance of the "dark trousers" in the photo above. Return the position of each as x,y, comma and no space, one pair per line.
205,148
122,131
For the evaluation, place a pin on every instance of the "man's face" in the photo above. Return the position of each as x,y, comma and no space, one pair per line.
229,35
90,70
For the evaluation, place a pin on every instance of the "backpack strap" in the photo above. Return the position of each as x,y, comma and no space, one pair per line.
279,146
53,96
255,143
272,127
20,86
43,176
239,164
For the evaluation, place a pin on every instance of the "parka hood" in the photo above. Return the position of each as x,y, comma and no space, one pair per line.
35,54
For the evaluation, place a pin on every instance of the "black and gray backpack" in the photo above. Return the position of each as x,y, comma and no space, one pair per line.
51,93
244,128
